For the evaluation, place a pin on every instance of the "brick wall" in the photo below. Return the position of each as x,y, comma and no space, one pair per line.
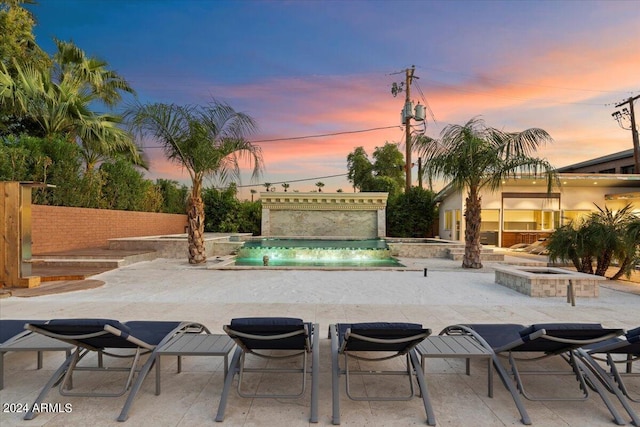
56,228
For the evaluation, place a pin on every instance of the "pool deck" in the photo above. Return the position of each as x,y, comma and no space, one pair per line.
166,289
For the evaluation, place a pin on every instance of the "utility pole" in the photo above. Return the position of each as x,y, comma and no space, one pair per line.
407,115
634,132
407,128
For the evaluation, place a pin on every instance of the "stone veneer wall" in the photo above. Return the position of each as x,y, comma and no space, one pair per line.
421,250
547,285
357,215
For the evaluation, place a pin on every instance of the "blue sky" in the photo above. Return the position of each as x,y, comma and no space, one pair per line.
317,67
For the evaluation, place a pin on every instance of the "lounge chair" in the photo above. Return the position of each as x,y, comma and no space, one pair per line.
14,337
610,352
376,342
132,339
521,343
273,338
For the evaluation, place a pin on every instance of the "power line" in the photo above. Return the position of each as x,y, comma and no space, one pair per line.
326,134
293,138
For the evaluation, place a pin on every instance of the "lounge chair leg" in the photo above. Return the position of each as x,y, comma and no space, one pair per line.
55,378
617,388
335,374
597,385
124,414
1,370
228,381
422,383
315,370
515,394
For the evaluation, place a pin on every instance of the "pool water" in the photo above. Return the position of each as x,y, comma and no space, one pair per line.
317,252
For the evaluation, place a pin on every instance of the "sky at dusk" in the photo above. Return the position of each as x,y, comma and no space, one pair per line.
305,68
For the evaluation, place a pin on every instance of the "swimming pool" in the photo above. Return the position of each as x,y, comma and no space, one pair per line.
316,252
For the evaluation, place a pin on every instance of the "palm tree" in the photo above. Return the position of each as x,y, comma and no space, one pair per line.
611,240
206,140
253,191
474,157
631,256
319,184
574,242
60,101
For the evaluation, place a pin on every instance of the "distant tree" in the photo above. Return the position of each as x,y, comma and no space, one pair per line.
386,173
389,162
319,184
359,167
125,187
225,213
207,141
174,196
285,186
411,214
383,184
253,191
339,190
473,157
267,186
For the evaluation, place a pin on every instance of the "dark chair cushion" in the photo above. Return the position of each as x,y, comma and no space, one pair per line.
633,336
271,326
75,329
559,327
380,330
151,332
498,335
9,328
571,331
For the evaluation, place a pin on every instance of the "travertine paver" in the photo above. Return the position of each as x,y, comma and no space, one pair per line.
170,289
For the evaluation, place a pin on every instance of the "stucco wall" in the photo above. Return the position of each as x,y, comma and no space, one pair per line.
57,228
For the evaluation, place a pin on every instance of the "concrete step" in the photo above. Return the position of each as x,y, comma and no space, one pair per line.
486,254
91,262
483,257
84,262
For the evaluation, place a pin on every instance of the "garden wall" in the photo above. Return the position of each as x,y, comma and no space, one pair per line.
56,228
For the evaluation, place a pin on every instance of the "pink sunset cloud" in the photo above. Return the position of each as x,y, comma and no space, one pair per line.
566,89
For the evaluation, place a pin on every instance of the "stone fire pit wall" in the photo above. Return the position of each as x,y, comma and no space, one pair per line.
547,281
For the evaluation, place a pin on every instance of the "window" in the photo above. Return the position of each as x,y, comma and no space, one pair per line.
530,220
490,220
611,170
627,169
448,220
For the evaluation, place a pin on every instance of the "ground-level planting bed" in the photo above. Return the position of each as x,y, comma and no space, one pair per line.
547,281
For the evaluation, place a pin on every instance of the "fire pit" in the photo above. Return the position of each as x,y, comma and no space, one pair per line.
547,281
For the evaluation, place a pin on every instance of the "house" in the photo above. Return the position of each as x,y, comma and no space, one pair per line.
522,211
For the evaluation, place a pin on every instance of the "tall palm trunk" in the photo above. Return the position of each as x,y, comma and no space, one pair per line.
195,227
472,246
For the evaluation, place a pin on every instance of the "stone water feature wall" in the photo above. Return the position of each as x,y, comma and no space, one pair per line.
345,215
